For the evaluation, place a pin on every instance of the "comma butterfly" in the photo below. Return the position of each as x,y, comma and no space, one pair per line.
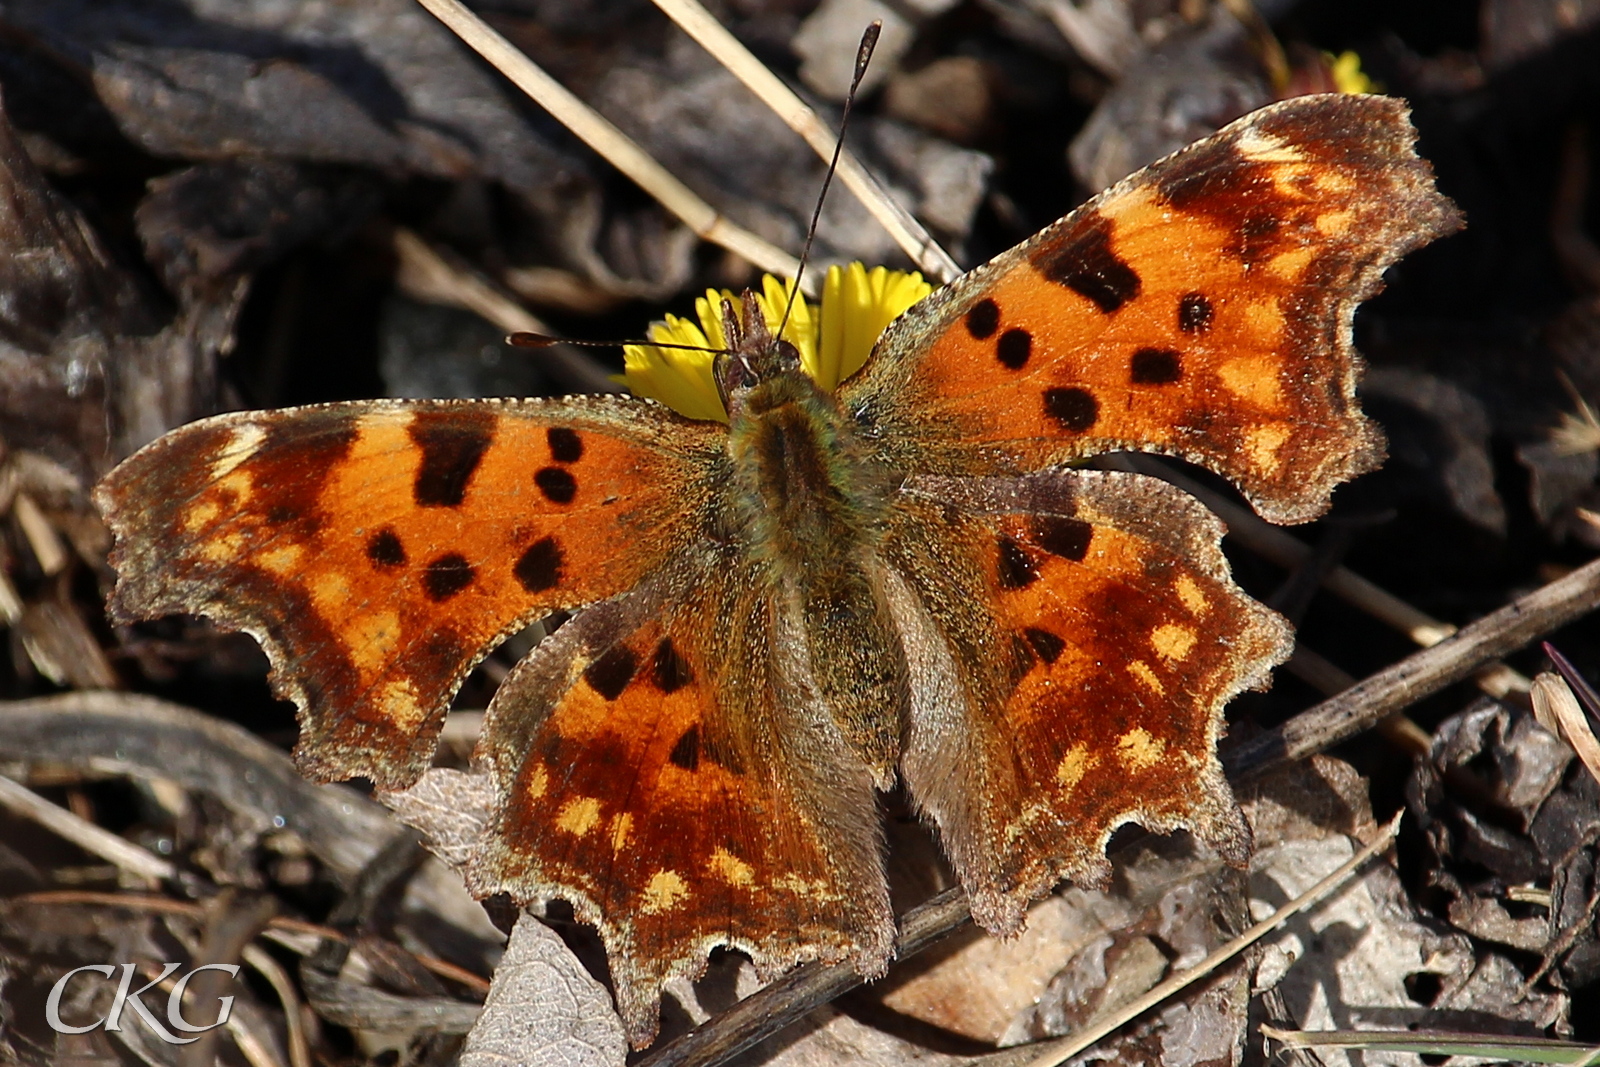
906,578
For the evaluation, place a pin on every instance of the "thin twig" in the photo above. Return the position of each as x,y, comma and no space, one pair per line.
1050,1053
907,232
808,986
616,147
86,835
1422,674
1318,672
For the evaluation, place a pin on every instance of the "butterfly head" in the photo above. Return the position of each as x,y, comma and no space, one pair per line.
753,355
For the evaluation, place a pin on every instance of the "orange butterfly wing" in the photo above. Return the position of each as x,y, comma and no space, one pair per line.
379,550
1073,639
1200,308
665,769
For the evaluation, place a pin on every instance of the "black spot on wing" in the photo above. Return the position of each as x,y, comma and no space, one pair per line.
539,567
670,671
385,550
452,442
446,576
1061,536
983,319
1015,568
686,753
1046,644
557,485
610,674
1195,313
1073,409
1155,366
565,444
1084,262
1014,348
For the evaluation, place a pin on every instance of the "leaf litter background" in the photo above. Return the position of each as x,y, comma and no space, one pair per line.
210,205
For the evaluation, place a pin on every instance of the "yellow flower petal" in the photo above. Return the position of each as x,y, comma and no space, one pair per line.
1347,73
679,378
857,305
833,340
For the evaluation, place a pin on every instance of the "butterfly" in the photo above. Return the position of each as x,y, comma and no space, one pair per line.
910,579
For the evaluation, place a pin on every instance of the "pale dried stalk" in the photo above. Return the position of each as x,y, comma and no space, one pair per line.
616,147
42,537
278,979
1558,710
426,275
86,835
11,605
256,1052
1062,1049
907,232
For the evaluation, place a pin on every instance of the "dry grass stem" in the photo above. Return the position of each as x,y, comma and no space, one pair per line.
1505,1047
425,274
1050,1053
86,835
908,233
615,146
42,538
11,605
256,1052
283,986
1555,706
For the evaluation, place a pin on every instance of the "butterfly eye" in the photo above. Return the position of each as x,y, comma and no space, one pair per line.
743,376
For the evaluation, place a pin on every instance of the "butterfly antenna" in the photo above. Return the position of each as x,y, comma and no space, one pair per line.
529,339
869,42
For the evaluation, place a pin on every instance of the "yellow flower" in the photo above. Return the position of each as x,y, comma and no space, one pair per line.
857,304
1347,74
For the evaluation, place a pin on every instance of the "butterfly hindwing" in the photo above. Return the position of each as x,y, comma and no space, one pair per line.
378,550
1200,308
1073,637
662,768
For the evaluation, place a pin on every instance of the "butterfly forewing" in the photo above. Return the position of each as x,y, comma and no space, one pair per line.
1200,308
379,550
